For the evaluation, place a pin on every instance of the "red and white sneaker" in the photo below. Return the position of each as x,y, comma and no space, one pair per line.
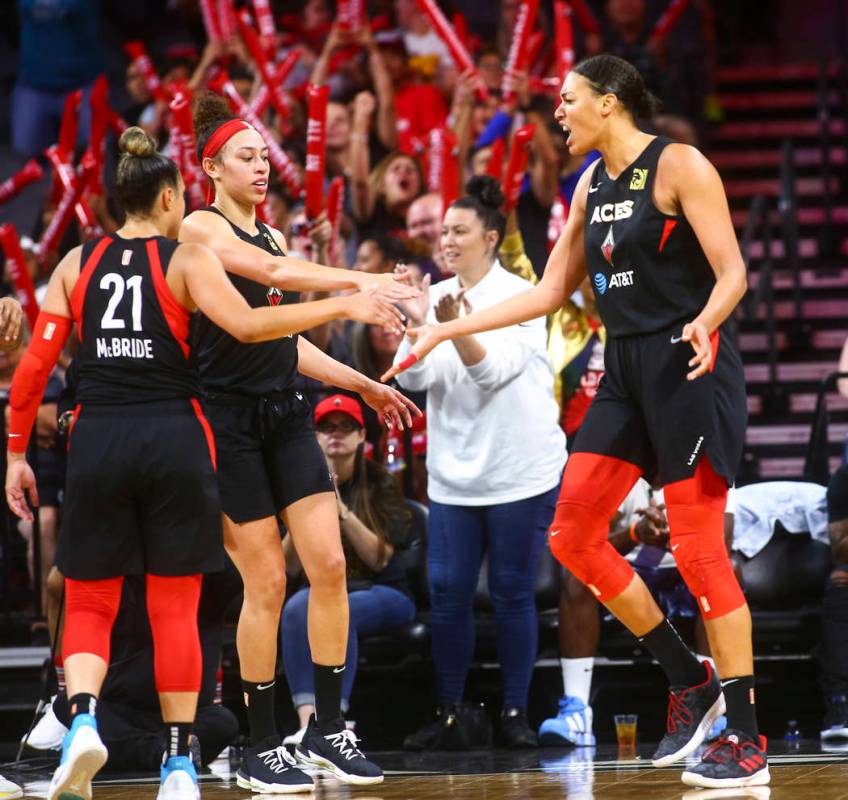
733,761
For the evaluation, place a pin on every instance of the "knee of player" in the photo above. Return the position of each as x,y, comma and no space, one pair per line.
330,573
269,590
572,540
700,556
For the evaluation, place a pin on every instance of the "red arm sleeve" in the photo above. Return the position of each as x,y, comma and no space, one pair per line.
51,333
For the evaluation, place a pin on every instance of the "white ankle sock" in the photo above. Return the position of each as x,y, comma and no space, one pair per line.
577,677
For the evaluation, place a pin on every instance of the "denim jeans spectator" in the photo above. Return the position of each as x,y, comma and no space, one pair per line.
513,534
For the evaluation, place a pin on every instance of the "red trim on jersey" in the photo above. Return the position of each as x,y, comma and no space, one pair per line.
207,430
715,341
86,271
176,315
74,421
670,225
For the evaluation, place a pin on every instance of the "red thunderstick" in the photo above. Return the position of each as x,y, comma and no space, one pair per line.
517,59
19,273
29,173
457,49
517,166
316,148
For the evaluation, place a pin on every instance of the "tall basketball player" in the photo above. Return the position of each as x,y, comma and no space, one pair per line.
651,227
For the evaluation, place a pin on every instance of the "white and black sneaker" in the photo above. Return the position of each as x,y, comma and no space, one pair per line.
267,767
333,749
691,714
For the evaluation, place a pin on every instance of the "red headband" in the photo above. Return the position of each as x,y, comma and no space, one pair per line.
216,141
222,135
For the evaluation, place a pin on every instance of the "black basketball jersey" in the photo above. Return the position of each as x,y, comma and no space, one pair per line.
227,365
133,332
647,268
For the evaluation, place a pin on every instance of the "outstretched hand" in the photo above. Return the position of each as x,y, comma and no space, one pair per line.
372,308
394,409
425,339
415,308
386,285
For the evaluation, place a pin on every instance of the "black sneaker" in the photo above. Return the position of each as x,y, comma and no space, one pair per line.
427,736
691,714
515,731
267,767
835,723
733,761
333,749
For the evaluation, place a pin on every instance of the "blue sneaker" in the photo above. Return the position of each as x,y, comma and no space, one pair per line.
572,725
178,780
83,754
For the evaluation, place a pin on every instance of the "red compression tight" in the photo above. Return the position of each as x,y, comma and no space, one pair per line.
172,607
593,488
695,509
91,608
90,611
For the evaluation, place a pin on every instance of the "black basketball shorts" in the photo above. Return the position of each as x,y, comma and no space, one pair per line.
647,413
141,494
268,454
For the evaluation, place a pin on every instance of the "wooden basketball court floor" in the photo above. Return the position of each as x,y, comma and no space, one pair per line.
801,772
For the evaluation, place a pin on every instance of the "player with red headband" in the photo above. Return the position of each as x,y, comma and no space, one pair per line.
141,489
269,462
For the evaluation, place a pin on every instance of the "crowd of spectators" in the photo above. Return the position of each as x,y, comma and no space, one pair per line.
398,109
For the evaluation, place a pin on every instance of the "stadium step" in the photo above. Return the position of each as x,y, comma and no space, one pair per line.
758,133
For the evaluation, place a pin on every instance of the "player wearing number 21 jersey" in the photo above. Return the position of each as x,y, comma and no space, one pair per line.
142,495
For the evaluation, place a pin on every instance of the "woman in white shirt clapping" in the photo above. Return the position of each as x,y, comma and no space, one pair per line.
494,461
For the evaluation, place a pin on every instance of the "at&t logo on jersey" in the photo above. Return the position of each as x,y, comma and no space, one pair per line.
616,280
600,282
612,212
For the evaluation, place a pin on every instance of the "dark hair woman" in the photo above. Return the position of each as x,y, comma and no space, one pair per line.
269,463
494,458
142,495
651,227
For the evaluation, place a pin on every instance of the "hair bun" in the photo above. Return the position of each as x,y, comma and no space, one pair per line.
487,190
136,143
208,111
648,105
